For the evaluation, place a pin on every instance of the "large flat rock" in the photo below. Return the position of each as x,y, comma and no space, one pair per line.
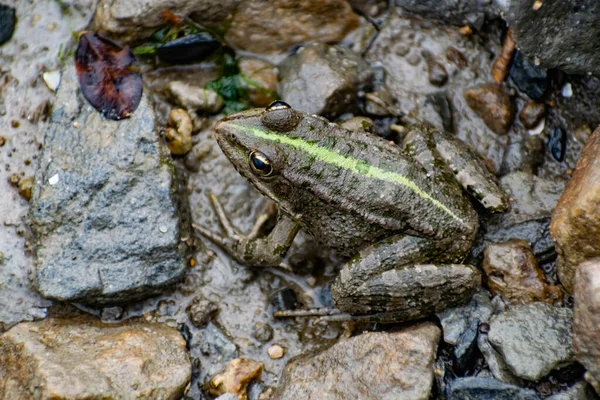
106,217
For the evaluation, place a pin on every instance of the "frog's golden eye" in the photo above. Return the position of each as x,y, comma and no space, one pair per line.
281,117
260,164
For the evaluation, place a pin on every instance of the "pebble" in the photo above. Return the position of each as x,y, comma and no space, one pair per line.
436,72
513,273
557,144
263,88
201,311
275,351
52,79
194,98
8,20
179,132
2,141
567,90
457,57
530,78
532,114
533,339
25,187
235,379
263,332
576,218
488,389
493,105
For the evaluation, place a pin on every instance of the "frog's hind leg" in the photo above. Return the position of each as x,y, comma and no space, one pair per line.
430,146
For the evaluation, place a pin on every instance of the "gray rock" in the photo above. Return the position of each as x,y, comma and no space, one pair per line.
587,318
579,391
374,365
457,12
105,214
488,389
494,361
322,79
561,34
533,339
212,340
83,358
461,324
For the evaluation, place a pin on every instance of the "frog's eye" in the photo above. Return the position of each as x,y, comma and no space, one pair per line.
281,117
260,164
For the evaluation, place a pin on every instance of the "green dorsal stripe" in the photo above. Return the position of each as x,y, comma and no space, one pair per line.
352,164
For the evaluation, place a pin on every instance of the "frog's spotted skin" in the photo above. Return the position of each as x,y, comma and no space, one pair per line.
391,208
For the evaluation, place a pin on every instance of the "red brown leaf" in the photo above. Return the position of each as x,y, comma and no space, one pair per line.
108,77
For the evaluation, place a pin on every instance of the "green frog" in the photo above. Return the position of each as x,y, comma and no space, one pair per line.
398,211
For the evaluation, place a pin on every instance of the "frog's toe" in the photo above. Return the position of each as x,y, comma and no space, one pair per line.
221,240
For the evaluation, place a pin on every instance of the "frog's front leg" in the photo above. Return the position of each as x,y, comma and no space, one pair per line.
250,249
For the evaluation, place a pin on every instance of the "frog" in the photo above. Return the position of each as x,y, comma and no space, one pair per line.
402,214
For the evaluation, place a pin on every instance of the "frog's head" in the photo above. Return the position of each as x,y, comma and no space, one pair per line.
255,142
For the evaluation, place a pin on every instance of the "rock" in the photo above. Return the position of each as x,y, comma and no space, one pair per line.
488,389
579,391
179,132
533,339
560,34
275,351
372,365
278,25
514,274
263,332
323,79
530,78
401,49
201,311
493,105
457,12
371,8
493,359
461,324
193,159
436,72
575,222
84,358
525,152
105,213
8,20
25,187
532,114
533,200
194,98
236,377
52,79
263,88
212,340
587,317
134,20
557,144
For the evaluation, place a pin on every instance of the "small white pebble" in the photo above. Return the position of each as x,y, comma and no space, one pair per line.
311,281
275,351
163,229
52,79
538,129
537,4
54,179
567,90
76,124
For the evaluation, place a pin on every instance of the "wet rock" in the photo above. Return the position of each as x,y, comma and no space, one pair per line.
579,391
533,200
436,72
533,339
530,78
323,79
557,144
489,389
461,324
524,152
514,274
587,317
263,88
371,8
457,12
8,19
201,311
280,24
373,365
275,351
84,358
263,332
493,105
52,79
575,221
179,132
25,187
194,98
187,49
532,114
560,34
284,299
399,47
111,314
106,217
212,340
236,377
193,159
493,359
134,20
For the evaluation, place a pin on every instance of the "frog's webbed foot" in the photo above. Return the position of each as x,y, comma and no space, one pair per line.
250,249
